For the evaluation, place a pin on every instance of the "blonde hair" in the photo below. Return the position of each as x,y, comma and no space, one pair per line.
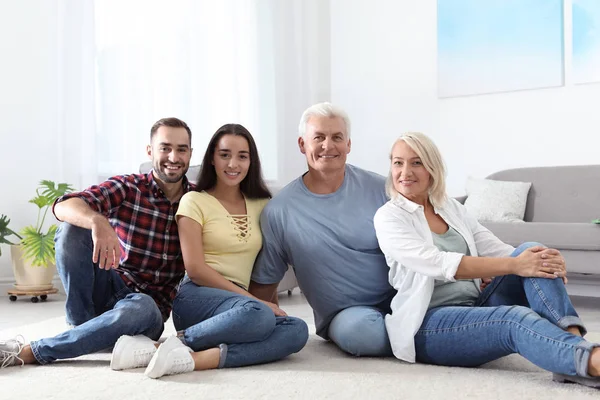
323,110
432,161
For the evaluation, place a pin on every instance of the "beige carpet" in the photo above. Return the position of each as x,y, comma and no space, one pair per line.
320,371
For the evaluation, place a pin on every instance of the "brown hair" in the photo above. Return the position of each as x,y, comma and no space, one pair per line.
171,122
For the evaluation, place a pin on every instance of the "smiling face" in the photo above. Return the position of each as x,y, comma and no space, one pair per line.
231,159
409,176
325,144
170,153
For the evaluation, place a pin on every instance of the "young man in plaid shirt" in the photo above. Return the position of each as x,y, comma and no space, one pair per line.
118,255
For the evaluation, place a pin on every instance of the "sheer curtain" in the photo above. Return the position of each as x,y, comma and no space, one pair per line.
209,62
75,97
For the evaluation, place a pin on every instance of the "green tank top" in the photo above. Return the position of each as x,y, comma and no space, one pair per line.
463,292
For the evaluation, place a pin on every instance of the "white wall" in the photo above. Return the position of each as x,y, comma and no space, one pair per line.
28,110
41,91
383,71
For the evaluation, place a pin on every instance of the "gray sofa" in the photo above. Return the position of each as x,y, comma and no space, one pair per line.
561,204
288,283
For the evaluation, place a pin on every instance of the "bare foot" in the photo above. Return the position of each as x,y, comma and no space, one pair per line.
27,355
594,363
574,330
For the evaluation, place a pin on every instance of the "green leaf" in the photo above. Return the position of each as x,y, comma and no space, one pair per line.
596,221
40,201
52,191
38,248
5,231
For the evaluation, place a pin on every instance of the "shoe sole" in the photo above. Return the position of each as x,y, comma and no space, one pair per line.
166,347
589,382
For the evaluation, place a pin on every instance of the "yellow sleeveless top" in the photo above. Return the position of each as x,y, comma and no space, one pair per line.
231,242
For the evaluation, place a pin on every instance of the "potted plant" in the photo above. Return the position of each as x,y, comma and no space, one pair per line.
33,258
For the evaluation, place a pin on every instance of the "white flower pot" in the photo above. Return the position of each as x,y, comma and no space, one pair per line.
28,277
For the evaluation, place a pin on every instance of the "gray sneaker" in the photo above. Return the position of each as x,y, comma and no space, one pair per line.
10,350
591,382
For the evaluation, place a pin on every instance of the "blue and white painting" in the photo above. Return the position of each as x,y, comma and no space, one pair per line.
487,46
586,41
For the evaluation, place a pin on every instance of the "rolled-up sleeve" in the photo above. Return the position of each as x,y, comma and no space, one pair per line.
401,243
104,198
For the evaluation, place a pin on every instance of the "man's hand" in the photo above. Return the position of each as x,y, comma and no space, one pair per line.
541,262
107,251
276,310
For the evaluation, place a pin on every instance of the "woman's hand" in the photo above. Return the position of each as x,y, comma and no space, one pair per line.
484,283
275,308
541,262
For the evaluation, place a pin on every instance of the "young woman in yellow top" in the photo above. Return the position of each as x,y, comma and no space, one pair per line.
219,323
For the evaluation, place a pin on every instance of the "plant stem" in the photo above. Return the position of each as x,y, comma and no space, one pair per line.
43,218
11,232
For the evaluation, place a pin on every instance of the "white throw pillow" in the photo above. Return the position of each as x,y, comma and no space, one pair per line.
499,201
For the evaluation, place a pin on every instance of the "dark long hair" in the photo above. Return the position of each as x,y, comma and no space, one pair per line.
253,186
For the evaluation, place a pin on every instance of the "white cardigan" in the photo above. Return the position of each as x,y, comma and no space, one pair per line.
415,262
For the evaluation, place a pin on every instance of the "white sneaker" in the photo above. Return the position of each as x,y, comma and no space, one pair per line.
10,350
172,357
132,352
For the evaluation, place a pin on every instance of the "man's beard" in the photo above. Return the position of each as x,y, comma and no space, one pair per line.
166,178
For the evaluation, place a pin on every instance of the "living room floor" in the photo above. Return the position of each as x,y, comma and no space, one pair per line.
320,370
23,312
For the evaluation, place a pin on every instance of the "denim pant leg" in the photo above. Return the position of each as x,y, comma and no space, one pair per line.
208,317
88,287
360,331
246,330
471,336
289,336
547,297
133,314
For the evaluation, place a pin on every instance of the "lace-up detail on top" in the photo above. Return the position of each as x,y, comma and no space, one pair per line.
142,357
10,350
180,366
241,224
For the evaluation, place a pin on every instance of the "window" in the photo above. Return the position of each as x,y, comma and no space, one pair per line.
206,62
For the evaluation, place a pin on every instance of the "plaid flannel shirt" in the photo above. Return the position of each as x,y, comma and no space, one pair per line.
144,220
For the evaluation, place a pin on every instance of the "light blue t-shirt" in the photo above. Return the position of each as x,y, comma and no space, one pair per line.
330,241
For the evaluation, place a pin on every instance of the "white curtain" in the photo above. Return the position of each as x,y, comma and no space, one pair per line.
76,106
128,63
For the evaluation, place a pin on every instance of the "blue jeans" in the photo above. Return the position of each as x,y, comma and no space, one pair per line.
527,316
246,330
360,331
99,304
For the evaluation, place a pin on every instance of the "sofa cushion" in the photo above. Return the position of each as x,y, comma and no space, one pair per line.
558,194
490,200
558,235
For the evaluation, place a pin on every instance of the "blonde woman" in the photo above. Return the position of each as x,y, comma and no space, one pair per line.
447,310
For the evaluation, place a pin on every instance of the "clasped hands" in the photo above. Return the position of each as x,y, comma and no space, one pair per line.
537,262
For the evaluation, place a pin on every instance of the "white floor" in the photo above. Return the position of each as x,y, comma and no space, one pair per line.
23,312
319,371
